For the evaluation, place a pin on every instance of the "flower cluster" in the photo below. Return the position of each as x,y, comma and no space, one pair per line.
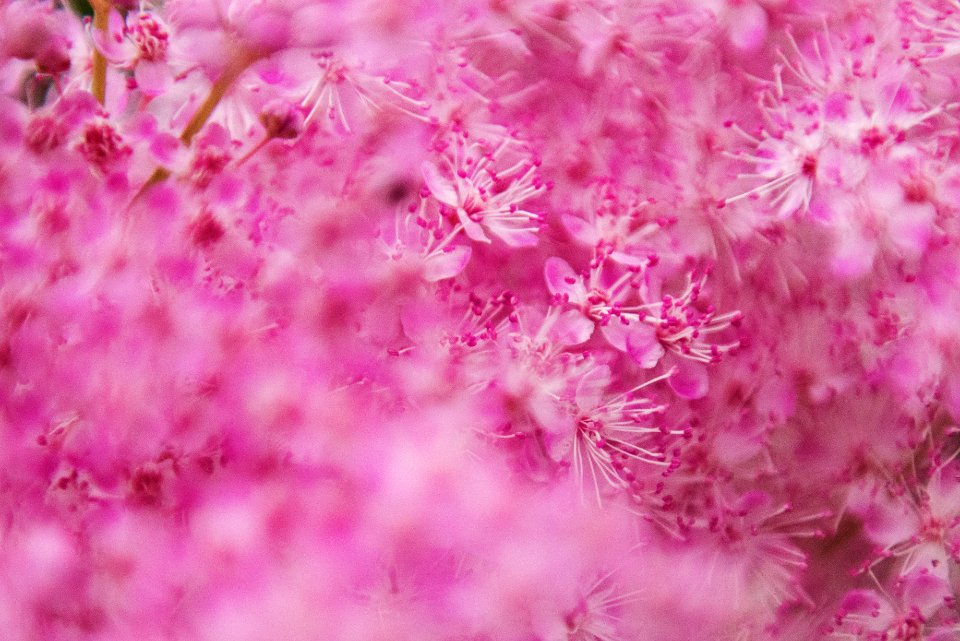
481,320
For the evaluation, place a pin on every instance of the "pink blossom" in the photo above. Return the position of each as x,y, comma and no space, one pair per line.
531,320
484,183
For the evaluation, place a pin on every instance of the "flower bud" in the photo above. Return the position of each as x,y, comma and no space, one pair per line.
281,119
26,32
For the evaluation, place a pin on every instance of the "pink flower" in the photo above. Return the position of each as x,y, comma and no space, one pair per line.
484,183
643,330
527,320
424,247
257,28
138,42
328,99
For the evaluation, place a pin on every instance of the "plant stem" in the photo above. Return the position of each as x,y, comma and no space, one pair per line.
217,92
219,89
101,22
260,145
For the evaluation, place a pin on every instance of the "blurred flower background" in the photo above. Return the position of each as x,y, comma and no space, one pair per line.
480,320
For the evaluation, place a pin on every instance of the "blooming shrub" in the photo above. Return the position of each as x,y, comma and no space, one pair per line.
481,320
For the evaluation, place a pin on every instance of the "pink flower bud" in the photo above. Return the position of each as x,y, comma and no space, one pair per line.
25,31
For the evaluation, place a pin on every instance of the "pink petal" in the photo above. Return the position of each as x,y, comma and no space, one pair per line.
559,444
690,381
885,521
549,415
591,387
592,54
572,328
516,237
951,395
853,255
472,228
616,333
625,258
561,279
166,149
581,231
747,26
111,43
861,601
441,188
874,610
153,78
446,264
943,491
419,320
643,346
753,501
926,591
793,200
266,30
835,105
910,227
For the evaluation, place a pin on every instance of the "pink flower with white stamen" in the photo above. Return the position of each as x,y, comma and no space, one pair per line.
484,183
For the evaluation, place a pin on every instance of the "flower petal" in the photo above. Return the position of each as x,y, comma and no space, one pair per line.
441,188
153,78
561,279
515,237
110,42
592,386
690,380
572,328
581,231
471,227
446,264
643,346
616,333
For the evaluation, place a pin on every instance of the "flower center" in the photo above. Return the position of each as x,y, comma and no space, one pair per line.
101,145
151,39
